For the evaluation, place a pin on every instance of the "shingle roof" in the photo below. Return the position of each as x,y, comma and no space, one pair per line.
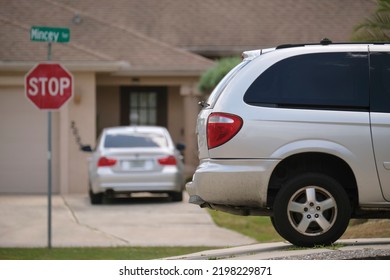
208,25
157,35
94,39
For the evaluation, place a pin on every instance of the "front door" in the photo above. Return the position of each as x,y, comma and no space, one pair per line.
144,106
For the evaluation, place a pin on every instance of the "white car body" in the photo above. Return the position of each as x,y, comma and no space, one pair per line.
149,162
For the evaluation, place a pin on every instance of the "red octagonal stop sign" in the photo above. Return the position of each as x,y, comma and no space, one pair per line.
49,85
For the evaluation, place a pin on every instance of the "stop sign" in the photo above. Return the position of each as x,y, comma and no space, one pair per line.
49,85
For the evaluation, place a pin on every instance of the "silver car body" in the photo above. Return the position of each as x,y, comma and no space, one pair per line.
236,174
136,167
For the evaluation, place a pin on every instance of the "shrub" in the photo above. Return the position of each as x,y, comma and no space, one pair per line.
214,75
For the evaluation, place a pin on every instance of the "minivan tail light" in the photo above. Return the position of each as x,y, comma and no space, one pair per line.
221,127
105,161
169,160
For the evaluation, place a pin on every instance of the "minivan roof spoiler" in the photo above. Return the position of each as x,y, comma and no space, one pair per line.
250,55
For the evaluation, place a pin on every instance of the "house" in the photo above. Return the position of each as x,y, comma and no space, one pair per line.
130,56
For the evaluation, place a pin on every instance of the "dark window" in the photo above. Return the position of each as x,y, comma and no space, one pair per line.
144,106
380,82
133,141
314,81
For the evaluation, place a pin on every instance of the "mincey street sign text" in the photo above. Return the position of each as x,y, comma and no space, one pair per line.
50,34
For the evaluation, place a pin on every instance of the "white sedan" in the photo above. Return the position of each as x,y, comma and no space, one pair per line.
135,159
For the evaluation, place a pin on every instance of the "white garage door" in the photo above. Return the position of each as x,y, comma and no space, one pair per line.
23,144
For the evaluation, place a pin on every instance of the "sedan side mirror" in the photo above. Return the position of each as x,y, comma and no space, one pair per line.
181,147
86,148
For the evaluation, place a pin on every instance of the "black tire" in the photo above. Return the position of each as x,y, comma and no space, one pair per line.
95,198
311,209
176,196
273,224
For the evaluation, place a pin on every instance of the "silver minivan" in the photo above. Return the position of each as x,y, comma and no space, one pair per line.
300,133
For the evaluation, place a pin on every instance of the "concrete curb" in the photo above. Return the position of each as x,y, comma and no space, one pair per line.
284,250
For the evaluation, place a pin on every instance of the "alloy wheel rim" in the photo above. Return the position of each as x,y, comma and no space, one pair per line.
312,211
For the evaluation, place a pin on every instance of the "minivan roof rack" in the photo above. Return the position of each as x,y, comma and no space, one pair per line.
325,42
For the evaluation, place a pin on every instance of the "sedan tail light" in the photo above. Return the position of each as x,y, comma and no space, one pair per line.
221,127
169,160
105,161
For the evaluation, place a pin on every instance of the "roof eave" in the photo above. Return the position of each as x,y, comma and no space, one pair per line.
116,68
77,66
160,73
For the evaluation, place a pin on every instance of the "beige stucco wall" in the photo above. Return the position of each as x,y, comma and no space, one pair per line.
176,115
22,143
24,140
191,98
81,110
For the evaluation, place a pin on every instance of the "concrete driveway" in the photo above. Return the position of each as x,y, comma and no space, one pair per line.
151,221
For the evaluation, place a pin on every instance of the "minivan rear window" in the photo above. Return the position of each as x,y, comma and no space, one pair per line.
314,81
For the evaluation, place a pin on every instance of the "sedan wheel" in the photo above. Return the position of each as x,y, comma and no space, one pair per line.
176,196
95,198
311,209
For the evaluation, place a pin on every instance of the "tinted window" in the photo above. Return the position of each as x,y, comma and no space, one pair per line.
380,82
323,80
133,141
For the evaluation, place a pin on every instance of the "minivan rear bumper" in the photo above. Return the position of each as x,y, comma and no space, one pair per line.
233,182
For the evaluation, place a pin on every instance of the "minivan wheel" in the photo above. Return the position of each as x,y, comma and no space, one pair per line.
311,209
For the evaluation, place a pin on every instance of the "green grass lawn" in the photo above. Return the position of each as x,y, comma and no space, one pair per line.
259,228
96,253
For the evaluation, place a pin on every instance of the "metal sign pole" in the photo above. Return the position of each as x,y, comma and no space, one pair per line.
49,154
50,35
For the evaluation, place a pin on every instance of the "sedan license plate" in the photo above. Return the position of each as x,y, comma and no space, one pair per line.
136,165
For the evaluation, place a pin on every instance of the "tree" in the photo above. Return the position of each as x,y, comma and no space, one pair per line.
376,27
214,75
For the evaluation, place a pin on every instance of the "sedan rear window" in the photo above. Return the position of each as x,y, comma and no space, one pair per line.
134,140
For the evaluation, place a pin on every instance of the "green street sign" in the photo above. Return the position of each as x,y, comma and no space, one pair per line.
50,34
